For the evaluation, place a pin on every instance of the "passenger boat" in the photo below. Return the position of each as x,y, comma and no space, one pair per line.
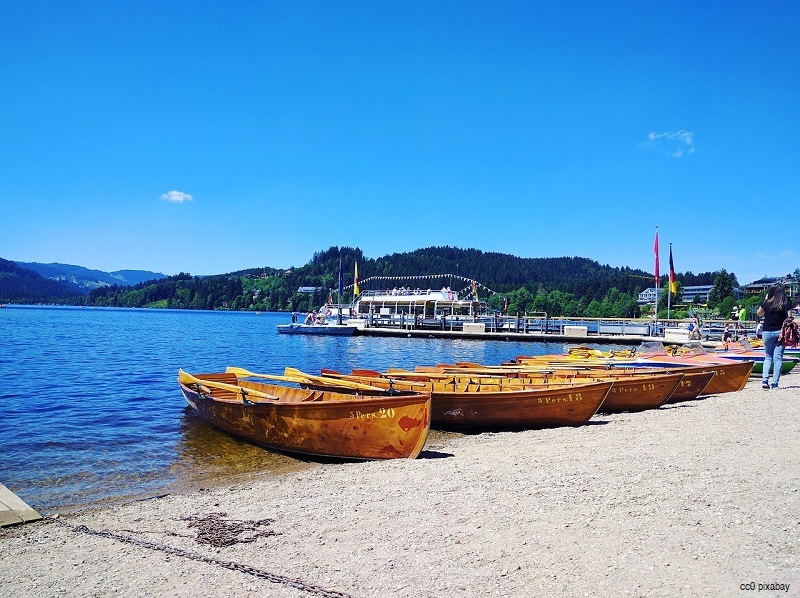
420,308
311,422
470,405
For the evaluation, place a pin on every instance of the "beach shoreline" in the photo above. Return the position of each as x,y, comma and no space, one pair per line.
698,498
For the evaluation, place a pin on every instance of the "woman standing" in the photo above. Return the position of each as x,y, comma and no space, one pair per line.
775,309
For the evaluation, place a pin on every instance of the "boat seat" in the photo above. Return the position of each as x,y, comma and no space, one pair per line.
316,395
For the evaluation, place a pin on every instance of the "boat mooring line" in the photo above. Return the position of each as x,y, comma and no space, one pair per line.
195,556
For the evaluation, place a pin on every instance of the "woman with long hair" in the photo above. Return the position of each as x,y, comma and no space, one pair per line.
775,309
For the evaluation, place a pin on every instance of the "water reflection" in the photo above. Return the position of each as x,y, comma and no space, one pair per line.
206,456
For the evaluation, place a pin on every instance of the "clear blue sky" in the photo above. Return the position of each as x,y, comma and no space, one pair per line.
283,128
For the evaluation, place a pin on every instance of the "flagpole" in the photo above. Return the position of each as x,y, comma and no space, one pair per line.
655,307
669,285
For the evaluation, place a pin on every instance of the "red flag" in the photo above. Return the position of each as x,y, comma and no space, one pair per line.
655,249
673,287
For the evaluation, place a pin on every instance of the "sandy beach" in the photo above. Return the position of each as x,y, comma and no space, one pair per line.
695,499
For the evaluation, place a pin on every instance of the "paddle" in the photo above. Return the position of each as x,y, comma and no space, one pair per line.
331,381
243,373
185,378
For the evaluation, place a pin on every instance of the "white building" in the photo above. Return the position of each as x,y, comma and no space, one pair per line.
688,296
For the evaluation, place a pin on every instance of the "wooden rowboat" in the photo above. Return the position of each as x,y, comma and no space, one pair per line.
631,392
694,381
729,375
470,405
298,420
544,407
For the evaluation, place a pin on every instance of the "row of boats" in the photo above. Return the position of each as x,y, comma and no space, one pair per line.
369,414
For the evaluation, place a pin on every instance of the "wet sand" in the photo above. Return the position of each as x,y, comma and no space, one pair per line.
694,499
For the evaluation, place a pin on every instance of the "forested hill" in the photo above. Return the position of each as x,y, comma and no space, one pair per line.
506,272
21,285
567,285
498,271
83,280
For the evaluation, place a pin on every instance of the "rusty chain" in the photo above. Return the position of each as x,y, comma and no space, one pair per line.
231,565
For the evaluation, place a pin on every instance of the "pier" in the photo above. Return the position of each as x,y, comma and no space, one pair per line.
541,329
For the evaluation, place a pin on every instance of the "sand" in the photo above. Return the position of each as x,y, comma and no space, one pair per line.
695,499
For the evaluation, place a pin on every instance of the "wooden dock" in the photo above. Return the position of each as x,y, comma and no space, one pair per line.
13,510
507,336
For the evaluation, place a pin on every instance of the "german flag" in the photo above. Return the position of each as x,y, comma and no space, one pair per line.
673,287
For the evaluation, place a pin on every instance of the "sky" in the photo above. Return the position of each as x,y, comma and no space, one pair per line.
209,137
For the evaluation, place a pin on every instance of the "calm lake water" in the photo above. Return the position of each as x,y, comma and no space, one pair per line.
90,410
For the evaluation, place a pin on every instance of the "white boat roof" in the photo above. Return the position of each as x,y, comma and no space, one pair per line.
411,296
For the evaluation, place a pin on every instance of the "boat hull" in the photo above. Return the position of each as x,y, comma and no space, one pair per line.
729,375
315,423
640,393
473,404
692,386
545,407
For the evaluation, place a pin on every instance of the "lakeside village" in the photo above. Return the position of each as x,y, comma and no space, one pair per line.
413,311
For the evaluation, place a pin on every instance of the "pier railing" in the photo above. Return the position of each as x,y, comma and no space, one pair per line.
540,323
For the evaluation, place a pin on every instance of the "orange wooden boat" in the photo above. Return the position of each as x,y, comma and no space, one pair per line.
693,384
729,375
473,404
695,379
311,422
629,392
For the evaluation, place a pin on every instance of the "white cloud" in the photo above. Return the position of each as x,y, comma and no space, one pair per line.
176,197
677,143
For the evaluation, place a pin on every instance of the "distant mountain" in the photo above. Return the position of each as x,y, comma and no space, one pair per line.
21,285
83,280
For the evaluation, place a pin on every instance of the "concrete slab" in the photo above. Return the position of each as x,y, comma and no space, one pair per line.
13,510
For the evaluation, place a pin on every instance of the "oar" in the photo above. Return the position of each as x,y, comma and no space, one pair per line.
243,373
402,377
185,378
297,378
367,373
331,381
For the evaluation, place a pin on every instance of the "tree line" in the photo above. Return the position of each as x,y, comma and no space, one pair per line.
564,286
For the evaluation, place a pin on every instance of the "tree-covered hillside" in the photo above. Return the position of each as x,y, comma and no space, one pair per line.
563,286
570,286
20,285
84,280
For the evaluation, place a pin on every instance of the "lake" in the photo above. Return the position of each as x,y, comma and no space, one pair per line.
91,412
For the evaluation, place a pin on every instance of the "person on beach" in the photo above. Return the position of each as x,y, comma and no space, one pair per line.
775,309
696,333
